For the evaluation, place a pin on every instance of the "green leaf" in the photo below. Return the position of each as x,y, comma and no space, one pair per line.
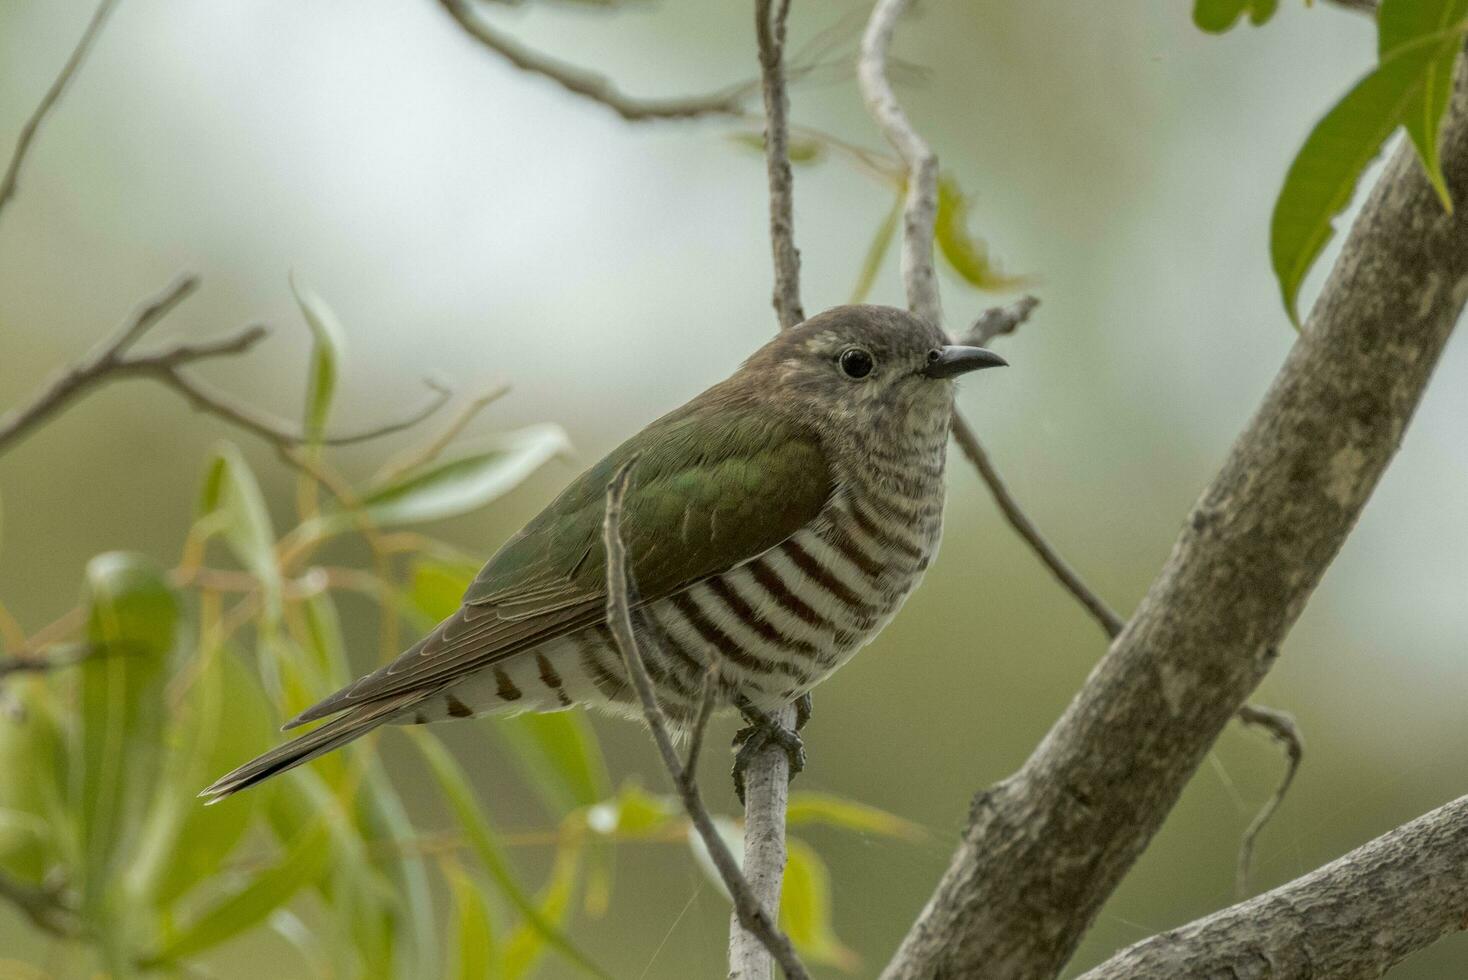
878,249
382,817
326,348
802,149
560,755
526,945
633,813
1324,174
33,780
224,719
119,735
482,840
251,905
1217,16
805,908
232,494
473,937
836,811
459,485
967,255
1400,23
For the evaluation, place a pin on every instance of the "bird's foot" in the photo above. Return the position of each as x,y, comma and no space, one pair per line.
763,730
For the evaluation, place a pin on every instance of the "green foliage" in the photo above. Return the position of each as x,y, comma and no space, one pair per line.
327,343
459,485
966,255
801,149
1217,16
1418,43
805,908
472,943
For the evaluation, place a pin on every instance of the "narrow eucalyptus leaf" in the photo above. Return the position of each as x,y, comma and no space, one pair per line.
1400,23
805,908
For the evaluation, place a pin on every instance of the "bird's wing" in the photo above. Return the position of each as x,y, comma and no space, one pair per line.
713,486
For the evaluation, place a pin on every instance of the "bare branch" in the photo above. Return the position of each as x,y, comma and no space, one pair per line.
999,321
729,102
766,799
428,452
1059,567
1350,920
752,915
48,101
111,360
769,26
1045,847
921,210
1282,728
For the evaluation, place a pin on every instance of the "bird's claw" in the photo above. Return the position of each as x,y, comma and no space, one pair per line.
763,730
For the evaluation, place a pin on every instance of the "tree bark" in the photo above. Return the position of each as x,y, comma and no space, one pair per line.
1046,847
1351,920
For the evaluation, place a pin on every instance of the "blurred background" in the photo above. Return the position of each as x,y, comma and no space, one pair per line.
478,225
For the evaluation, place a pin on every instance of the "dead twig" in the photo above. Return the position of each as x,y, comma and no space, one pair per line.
1282,728
751,914
112,360
597,88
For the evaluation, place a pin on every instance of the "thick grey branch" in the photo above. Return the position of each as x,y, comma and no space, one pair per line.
752,915
921,209
769,27
1045,847
1350,920
32,125
112,360
729,102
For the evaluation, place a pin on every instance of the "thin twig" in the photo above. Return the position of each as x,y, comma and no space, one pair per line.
1282,728
1059,567
48,101
769,25
619,616
422,455
921,210
112,360
597,88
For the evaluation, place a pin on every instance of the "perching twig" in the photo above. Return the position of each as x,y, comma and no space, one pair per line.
729,102
769,26
112,360
1282,728
619,616
48,101
921,210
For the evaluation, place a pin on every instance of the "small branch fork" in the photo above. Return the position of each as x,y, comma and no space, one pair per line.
597,88
113,360
752,915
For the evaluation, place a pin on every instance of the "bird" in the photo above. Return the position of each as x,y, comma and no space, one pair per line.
773,526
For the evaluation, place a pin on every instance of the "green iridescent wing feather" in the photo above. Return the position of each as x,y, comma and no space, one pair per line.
714,484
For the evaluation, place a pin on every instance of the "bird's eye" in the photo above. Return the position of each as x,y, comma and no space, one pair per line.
855,362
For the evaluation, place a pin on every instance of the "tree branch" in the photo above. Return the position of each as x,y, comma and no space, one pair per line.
112,360
48,101
1350,920
751,914
1045,847
770,31
920,211
729,102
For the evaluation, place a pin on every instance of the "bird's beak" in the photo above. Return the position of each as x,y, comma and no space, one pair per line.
950,362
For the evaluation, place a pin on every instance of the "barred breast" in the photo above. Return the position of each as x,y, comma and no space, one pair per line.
773,627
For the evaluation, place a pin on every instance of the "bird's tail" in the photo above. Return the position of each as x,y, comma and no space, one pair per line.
329,737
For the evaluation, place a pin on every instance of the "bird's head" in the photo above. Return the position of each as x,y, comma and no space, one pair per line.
865,369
